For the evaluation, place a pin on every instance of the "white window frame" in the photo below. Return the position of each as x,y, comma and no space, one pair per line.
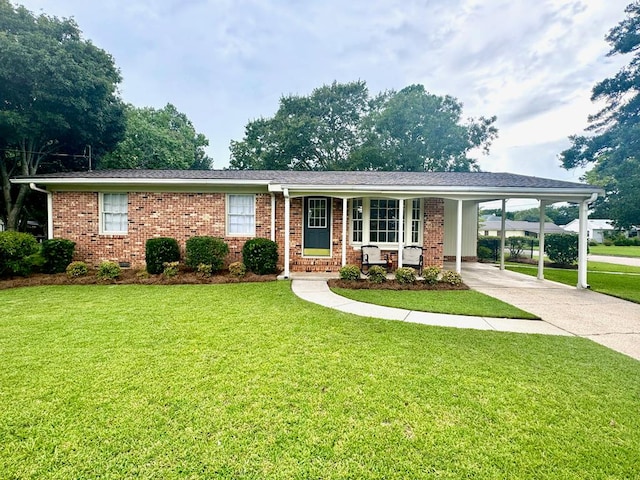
102,215
366,217
229,214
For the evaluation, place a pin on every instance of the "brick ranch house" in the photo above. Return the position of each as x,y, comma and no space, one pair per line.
318,219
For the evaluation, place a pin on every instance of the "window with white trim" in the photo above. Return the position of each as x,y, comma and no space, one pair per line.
241,215
377,221
114,213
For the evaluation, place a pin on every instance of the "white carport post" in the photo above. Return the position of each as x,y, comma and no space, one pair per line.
541,242
582,245
287,232
344,231
503,225
459,238
400,231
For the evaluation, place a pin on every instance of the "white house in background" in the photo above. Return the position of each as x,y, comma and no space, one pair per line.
515,228
596,228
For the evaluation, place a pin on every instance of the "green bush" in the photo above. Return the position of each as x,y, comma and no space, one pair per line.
170,269
405,275
238,269
451,277
377,274
562,248
431,275
160,250
77,269
208,250
350,272
108,271
260,255
57,253
17,253
205,270
485,253
492,243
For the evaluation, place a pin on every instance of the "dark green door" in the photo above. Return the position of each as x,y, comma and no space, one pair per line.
317,226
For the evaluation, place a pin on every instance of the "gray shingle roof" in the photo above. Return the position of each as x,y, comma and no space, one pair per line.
436,179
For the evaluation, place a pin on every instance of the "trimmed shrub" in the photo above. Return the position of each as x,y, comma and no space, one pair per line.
17,253
406,275
492,243
451,277
108,271
57,254
77,269
160,250
350,272
485,253
260,255
562,248
238,269
208,250
377,274
205,269
170,269
431,275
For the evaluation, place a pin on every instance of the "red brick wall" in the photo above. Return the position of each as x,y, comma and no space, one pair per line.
183,215
175,215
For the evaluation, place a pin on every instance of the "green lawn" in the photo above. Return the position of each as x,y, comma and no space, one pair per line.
621,285
249,381
615,251
458,302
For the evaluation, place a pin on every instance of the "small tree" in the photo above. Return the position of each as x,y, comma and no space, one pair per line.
516,246
562,248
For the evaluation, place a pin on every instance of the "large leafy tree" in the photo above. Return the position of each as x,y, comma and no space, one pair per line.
58,94
613,149
340,127
157,139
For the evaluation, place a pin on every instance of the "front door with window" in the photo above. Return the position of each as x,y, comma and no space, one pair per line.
317,226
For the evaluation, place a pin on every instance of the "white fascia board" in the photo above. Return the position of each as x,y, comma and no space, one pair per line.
454,193
141,181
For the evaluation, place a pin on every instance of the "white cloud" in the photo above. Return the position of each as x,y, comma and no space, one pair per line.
224,62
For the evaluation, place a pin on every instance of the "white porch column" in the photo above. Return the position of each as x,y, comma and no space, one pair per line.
287,232
273,217
503,225
541,245
582,245
459,238
344,232
400,232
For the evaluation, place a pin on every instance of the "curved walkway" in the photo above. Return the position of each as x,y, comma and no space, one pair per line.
564,310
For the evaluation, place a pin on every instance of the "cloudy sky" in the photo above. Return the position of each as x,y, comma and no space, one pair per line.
225,62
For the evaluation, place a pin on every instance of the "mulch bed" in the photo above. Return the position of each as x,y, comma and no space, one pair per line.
130,277
392,285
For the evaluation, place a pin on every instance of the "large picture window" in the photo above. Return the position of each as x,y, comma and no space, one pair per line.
377,220
241,215
114,213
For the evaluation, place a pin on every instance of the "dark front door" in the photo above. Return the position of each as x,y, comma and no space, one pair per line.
317,226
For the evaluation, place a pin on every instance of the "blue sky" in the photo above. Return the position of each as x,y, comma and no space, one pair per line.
225,62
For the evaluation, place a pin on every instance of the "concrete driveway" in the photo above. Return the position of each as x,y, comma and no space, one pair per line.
609,321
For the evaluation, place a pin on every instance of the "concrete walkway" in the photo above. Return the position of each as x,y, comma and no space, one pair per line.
564,310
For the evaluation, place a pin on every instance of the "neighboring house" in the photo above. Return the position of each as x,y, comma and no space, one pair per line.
516,228
597,229
318,219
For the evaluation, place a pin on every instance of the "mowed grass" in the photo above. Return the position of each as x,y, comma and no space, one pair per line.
616,280
631,251
248,381
455,302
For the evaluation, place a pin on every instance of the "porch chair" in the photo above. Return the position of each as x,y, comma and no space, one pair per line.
412,257
370,256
